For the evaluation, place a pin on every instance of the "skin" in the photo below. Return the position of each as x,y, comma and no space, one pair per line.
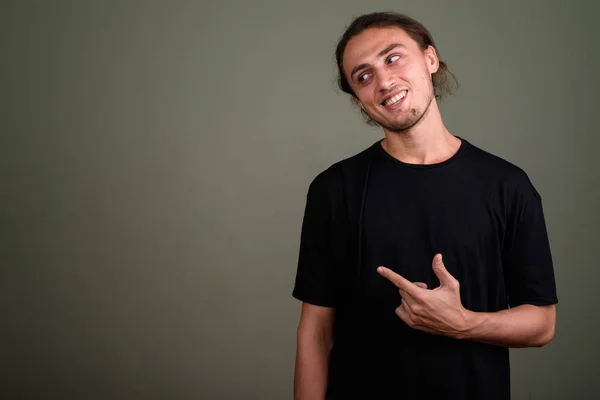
414,132
440,312
314,342
379,63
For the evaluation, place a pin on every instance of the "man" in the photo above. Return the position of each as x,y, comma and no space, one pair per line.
384,316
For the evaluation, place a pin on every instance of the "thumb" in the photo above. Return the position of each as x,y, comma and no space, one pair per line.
440,270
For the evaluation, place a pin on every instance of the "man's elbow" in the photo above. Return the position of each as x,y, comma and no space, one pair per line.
549,330
545,338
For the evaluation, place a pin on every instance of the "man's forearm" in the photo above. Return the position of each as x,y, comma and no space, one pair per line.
312,359
522,326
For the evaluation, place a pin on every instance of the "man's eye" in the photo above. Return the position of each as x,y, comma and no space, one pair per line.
393,58
363,77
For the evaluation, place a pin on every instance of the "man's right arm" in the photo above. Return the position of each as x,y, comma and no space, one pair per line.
314,342
315,285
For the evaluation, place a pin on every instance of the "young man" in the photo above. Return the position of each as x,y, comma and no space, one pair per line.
384,316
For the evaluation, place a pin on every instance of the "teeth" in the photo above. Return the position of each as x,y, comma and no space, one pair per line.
395,99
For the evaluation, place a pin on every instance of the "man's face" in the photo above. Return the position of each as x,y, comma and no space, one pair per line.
390,76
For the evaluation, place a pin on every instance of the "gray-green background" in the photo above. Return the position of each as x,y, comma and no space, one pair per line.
155,158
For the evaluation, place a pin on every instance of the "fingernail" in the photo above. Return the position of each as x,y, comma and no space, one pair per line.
380,270
439,259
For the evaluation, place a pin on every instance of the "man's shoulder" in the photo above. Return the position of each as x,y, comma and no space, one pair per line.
492,164
494,168
343,171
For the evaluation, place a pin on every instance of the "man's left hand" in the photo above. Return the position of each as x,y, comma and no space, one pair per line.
438,311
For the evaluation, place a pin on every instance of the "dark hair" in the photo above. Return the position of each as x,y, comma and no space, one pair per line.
443,80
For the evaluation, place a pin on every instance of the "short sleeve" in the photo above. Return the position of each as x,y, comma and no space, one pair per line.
527,258
314,282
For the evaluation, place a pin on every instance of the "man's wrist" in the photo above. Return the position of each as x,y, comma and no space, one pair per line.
472,323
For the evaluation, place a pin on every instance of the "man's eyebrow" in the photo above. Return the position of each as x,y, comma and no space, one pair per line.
358,68
381,54
389,48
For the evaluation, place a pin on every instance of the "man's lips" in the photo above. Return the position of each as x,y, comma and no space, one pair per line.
394,100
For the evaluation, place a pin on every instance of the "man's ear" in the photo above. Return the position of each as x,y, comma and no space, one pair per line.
360,104
433,62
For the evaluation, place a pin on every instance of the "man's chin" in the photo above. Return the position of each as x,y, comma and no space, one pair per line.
397,126
400,125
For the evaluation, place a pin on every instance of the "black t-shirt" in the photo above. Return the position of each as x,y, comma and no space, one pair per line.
485,217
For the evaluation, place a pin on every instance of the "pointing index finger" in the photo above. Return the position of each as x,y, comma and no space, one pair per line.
398,280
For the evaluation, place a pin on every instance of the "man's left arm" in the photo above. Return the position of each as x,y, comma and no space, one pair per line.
440,311
529,277
526,325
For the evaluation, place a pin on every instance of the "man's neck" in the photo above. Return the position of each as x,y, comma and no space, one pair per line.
429,142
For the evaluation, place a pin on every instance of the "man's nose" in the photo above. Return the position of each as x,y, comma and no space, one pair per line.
387,81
